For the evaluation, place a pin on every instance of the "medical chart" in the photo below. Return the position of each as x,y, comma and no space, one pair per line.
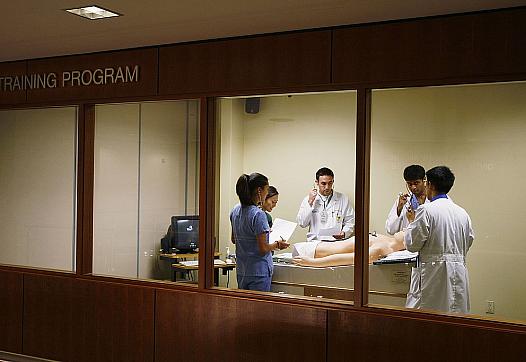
281,229
327,234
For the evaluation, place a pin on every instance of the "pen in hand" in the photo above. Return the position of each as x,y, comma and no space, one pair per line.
282,244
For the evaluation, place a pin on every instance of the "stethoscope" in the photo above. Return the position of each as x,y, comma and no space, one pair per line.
326,203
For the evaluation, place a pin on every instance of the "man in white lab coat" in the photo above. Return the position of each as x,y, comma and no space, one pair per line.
328,214
441,231
415,196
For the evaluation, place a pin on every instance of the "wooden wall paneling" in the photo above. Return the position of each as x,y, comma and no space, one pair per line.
70,319
499,42
202,327
451,47
146,59
379,52
282,60
114,323
369,337
9,93
50,307
456,48
514,40
11,302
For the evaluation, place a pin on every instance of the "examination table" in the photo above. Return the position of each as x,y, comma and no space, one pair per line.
388,283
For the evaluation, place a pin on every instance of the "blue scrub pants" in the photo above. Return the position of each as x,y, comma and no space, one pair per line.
261,283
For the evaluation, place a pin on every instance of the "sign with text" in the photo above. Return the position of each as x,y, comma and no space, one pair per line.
73,78
98,77
14,69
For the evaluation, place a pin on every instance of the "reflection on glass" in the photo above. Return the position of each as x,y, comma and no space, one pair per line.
38,187
478,132
288,140
146,175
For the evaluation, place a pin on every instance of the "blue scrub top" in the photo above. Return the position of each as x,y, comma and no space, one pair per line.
248,222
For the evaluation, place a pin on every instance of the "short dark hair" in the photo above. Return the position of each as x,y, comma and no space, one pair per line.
272,191
442,178
324,171
247,185
414,172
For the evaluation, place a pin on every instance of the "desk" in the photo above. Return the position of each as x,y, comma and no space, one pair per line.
176,257
170,257
227,267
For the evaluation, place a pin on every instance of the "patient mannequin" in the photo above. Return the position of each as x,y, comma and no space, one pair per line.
342,252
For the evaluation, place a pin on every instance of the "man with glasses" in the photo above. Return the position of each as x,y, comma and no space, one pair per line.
415,196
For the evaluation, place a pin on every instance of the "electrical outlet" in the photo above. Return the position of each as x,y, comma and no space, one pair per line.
490,309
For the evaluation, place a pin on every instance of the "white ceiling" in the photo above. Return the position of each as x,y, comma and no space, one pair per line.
40,28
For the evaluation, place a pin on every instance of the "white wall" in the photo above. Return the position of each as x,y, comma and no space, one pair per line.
231,150
115,206
292,137
145,171
38,187
169,165
480,132
288,141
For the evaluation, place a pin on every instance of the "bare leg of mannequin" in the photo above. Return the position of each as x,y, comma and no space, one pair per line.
342,253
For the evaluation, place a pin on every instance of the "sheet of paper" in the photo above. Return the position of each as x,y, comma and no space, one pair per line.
196,262
327,234
281,229
189,262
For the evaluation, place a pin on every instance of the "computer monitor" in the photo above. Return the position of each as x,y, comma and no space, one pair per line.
186,233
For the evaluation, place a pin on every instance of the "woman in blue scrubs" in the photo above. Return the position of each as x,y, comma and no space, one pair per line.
250,232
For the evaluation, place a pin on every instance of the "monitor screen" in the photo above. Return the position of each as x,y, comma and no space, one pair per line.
186,229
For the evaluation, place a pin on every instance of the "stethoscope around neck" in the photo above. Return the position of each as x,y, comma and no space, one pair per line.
326,201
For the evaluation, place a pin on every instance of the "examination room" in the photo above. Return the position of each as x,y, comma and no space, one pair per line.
475,130
146,182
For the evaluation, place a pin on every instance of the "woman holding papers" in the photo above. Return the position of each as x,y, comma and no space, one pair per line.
250,231
270,202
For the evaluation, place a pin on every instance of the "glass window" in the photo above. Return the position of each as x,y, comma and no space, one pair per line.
38,187
288,138
146,190
478,131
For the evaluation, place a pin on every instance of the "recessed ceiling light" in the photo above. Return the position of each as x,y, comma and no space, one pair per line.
93,12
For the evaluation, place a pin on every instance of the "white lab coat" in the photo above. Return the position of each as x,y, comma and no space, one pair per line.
339,213
442,234
395,223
